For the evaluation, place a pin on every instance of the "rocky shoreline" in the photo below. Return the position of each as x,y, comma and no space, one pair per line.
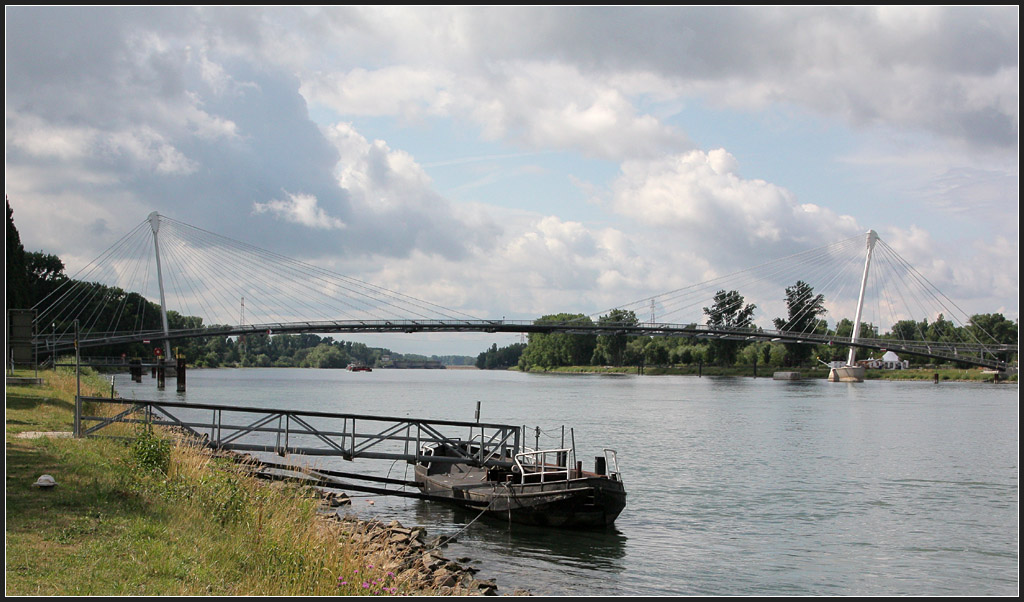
406,552
414,558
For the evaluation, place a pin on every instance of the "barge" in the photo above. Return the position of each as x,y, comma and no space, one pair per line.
539,488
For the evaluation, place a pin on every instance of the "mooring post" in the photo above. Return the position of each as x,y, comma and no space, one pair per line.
181,374
78,386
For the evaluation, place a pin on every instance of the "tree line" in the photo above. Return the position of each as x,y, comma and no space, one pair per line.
729,310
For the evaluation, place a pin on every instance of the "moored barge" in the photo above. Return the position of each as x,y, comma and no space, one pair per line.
540,488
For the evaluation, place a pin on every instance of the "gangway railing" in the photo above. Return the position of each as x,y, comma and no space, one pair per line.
546,464
313,433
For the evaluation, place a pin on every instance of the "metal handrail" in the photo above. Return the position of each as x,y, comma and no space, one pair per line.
539,464
612,462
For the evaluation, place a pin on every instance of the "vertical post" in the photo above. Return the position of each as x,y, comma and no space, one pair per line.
154,224
78,386
161,373
181,374
872,239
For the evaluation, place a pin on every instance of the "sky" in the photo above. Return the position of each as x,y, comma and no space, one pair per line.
520,161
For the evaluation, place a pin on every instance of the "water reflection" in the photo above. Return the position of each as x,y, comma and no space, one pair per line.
591,548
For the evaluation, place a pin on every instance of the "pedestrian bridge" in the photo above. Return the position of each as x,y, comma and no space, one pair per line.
229,288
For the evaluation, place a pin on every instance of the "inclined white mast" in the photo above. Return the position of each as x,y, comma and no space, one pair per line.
872,239
154,223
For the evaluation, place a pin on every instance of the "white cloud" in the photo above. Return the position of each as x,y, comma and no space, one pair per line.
699,197
300,209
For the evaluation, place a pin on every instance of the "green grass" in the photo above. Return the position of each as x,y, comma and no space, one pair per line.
148,516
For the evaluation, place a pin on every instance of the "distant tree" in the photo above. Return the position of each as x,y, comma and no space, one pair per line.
550,350
611,348
728,312
990,329
326,356
908,330
804,309
941,330
502,358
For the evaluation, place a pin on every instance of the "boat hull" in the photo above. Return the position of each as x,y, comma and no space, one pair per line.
586,502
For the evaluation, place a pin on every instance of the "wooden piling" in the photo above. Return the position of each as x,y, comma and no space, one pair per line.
181,374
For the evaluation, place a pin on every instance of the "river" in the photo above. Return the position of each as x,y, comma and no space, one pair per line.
736,486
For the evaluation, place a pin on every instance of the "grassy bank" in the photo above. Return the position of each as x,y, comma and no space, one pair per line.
929,374
150,516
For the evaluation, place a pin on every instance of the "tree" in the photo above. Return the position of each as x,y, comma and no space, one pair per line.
941,330
990,329
804,308
549,350
611,348
17,274
728,312
503,358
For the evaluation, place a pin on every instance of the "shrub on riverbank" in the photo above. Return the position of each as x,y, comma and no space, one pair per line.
148,516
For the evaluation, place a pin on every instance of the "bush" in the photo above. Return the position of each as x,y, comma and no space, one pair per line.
150,452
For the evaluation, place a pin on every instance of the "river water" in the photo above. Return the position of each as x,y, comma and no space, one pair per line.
736,486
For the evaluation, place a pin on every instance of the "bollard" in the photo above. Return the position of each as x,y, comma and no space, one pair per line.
161,374
181,375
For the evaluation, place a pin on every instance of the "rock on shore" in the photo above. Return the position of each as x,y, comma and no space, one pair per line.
415,559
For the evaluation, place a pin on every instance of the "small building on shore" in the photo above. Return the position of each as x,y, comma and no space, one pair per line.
888,361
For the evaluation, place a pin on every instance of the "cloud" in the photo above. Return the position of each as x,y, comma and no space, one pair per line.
394,204
539,105
700,197
300,209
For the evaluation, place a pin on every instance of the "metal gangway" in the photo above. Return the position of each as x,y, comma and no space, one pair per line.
312,433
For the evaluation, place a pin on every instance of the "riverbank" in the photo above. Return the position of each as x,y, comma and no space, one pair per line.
152,514
921,374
